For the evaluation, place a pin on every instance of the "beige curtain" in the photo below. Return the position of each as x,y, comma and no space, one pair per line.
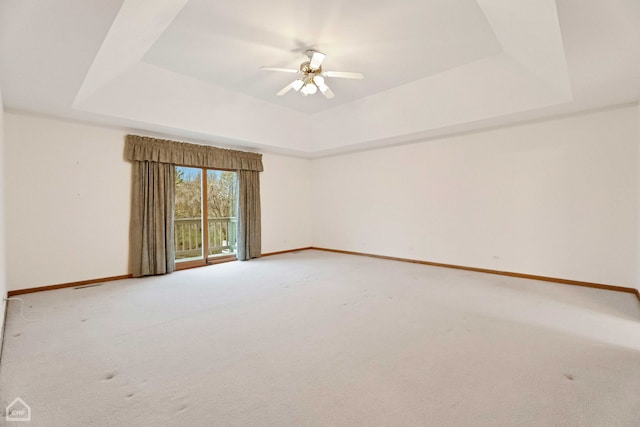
249,232
151,231
152,248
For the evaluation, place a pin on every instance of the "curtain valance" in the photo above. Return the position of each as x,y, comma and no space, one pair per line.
146,149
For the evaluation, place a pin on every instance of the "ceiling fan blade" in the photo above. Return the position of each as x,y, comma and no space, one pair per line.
344,74
316,60
286,89
284,70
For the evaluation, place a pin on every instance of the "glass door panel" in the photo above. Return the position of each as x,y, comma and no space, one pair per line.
188,214
222,209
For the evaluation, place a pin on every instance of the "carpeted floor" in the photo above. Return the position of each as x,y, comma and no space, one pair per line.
317,339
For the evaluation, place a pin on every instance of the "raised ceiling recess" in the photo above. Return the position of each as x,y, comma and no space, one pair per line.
191,68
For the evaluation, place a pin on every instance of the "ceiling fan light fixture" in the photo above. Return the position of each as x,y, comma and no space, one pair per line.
310,89
312,77
316,58
319,81
297,85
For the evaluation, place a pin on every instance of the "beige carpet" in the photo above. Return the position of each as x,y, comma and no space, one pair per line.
321,339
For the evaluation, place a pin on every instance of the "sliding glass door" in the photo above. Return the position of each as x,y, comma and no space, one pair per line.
222,209
205,215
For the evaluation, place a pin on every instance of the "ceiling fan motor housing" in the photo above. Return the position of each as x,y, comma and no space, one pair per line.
305,68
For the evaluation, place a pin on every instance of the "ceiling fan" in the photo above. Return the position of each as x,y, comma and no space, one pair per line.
312,76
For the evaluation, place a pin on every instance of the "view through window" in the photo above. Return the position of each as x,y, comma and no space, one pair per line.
218,204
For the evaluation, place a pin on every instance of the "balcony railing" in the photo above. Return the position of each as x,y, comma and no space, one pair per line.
188,237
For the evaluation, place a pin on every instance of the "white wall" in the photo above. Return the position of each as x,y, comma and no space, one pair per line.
68,191
3,276
638,195
556,198
68,195
285,193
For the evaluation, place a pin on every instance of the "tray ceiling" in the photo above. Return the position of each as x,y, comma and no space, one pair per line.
190,68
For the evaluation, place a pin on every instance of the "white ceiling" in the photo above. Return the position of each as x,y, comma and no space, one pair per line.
190,68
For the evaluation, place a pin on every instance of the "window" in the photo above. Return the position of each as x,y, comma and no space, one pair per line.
199,241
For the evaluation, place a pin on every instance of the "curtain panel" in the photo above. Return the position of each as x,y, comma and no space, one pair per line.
153,192
151,249
145,149
249,232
